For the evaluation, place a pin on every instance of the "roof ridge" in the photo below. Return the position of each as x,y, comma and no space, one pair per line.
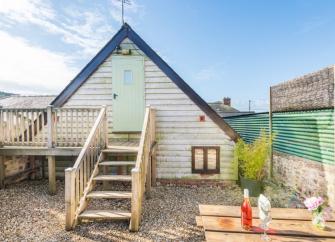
127,32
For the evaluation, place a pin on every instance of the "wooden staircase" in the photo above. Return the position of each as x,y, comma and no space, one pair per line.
101,176
100,163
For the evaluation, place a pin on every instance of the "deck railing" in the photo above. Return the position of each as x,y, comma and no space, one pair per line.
141,173
48,127
23,127
79,178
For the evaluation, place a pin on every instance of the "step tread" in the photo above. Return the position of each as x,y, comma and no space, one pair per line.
122,147
117,163
105,214
109,194
126,150
112,178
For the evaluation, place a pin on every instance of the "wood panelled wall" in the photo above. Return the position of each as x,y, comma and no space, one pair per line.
178,126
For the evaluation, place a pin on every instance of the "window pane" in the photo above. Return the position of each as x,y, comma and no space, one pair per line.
211,159
127,77
198,159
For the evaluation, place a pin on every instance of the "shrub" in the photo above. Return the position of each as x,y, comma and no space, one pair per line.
252,157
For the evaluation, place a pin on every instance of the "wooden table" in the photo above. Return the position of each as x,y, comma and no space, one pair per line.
223,223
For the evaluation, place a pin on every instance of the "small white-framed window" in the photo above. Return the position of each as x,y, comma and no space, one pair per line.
128,77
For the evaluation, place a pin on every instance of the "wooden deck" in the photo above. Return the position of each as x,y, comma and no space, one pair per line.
223,223
39,151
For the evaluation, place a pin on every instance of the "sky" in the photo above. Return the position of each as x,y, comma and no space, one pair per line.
221,48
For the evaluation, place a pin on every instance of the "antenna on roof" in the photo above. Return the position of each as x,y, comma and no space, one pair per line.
123,2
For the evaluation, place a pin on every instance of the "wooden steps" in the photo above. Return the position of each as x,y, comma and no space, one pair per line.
105,215
112,151
122,147
121,150
109,195
117,163
105,174
112,178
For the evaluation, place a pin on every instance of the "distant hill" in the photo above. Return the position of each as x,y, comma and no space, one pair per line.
5,94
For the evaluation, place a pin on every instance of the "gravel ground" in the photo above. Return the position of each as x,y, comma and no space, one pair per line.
28,213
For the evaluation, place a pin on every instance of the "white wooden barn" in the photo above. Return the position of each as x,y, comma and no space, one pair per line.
127,75
128,118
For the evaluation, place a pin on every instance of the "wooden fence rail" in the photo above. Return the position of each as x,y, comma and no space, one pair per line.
141,179
23,127
79,178
72,125
48,127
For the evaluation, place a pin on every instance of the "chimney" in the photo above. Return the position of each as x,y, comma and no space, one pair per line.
226,101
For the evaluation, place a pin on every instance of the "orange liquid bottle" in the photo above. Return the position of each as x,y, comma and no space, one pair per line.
246,212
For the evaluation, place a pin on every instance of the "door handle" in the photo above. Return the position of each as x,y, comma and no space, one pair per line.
115,95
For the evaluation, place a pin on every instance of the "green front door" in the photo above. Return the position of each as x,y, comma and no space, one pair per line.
128,93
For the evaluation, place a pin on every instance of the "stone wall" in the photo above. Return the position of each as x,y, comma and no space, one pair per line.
309,178
311,91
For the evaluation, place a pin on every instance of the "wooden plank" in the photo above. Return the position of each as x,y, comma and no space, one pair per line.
69,198
198,221
212,236
277,227
135,201
109,194
112,178
52,174
39,151
105,215
2,171
270,132
50,126
276,213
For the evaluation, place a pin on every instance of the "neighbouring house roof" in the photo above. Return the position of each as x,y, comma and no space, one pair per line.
17,101
127,32
5,94
225,110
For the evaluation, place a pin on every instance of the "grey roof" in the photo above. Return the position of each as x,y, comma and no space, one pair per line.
33,101
221,108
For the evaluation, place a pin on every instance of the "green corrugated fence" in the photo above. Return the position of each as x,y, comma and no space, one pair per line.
307,134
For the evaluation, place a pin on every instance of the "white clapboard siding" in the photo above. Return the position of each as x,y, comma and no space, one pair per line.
166,96
177,119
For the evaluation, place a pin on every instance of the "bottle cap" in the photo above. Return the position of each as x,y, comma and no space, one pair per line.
246,193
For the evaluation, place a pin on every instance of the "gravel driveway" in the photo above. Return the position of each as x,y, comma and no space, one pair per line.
28,213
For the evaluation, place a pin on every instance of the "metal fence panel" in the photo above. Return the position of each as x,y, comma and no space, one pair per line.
307,134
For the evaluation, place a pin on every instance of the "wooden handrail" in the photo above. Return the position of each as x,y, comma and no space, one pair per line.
89,138
79,178
141,173
142,140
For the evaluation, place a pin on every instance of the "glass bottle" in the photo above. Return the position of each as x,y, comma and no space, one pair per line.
246,212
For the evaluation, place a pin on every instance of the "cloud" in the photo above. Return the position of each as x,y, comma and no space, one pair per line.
29,69
210,73
88,30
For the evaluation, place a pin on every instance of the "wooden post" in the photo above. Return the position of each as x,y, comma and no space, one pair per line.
33,166
52,174
2,171
135,201
50,127
148,178
106,126
153,140
69,198
153,168
2,130
270,134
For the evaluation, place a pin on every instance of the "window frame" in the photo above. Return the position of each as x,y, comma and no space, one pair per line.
205,160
